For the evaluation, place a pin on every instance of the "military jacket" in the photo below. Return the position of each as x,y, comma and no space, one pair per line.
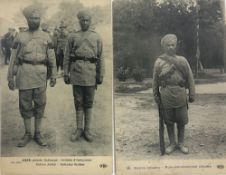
31,47
170,82
8,40
86,44
61,41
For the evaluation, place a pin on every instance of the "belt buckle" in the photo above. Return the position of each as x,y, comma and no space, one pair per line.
35,63
85,59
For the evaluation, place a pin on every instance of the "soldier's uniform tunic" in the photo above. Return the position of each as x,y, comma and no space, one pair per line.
172,84
32,51
8,41
61,40
81,48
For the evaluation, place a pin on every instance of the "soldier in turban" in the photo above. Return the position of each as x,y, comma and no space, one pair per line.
172,76
32,55
84,69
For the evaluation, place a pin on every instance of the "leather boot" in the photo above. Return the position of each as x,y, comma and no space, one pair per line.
27,136
25,140
181,146
171,134
37,136
79,130
88,119
39,139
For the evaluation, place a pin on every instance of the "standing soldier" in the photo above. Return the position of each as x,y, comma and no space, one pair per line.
22,29
84,69
54,39
60,46
172,76
7,44
45,28
32,52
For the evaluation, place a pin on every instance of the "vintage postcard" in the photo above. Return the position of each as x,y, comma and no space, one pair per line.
169,87
56,87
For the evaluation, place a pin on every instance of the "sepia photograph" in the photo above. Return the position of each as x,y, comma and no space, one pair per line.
169,85
56,79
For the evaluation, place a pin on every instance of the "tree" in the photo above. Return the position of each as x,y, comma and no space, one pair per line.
138,26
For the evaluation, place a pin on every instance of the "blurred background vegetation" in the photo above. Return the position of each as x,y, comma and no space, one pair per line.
67,12
139,25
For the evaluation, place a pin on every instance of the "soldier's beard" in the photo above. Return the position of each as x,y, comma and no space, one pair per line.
33,25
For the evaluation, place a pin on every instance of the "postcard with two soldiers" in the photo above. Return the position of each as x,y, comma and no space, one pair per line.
113,87
56,86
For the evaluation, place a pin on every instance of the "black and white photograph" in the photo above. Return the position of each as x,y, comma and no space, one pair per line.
56,78
169,83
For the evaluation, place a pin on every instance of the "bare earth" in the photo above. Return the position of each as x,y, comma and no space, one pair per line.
136,121
59,121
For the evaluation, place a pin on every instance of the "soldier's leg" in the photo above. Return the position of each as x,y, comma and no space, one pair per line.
62,61
78,102
88,108
182,116
26,111
7,53
169,115
39,97
57,62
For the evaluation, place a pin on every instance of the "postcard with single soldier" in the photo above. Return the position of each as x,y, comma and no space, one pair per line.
169,87
56,87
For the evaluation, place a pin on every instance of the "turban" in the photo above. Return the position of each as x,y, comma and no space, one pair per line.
62,25
83,15
167,38
32,10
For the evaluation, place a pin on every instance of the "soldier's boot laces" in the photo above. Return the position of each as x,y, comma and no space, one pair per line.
171,134
181,146
39,139
25,140
88,119
76,135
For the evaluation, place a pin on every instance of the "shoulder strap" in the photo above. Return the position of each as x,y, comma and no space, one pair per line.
172,62
83,40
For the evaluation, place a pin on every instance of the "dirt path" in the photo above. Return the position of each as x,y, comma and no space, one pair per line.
137,125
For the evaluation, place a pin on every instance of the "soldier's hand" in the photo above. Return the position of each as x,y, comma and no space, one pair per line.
157,100
52,82
191,99
11,85
66,79
99,80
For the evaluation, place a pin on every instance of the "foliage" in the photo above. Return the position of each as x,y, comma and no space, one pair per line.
138,74
122,73
67,12
140,24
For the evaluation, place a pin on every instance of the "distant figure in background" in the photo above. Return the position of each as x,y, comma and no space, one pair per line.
61,40
172,76
7,42
54,39
45,27
22,29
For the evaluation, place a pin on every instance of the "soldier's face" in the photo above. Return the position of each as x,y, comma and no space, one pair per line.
33,22
84,23
170,47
